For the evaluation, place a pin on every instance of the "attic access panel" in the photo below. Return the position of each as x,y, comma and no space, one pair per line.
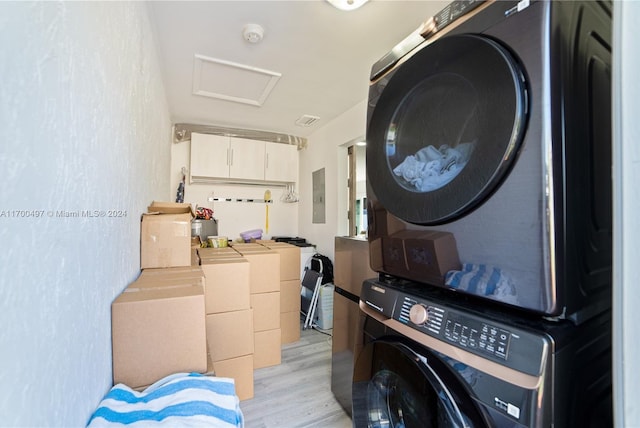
230,81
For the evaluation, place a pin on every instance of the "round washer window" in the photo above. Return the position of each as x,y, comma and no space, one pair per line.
446,129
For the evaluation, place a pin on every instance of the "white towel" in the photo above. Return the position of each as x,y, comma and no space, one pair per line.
484,280
432,168
179,400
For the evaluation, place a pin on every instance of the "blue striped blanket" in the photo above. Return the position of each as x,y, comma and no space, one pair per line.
179,400
483,280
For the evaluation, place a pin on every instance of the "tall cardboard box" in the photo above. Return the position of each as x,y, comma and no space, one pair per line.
290,326
264,270
289,289
230,334
241,370
165,235
266,311
290,296
267,348
226,285
157,332
289,259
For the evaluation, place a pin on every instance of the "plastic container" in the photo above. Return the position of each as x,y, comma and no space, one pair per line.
251,234
217,241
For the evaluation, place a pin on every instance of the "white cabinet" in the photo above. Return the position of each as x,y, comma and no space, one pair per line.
246,159
232,159
209,156
281,162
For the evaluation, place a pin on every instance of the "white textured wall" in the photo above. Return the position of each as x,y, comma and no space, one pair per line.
85,126
326,150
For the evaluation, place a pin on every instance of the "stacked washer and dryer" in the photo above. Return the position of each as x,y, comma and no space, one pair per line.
490,226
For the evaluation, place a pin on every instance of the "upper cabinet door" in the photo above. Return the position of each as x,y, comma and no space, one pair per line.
281,162
210,155
247,159
240,160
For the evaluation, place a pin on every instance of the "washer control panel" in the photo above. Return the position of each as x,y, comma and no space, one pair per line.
463,331
455,10
490,337
476,335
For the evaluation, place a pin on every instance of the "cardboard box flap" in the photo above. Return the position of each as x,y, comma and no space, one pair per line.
170,208
142,295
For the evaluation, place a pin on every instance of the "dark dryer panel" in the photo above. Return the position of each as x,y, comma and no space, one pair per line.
497,131
585,50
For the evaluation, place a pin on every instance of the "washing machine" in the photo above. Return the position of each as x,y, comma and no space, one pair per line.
489,155
429,361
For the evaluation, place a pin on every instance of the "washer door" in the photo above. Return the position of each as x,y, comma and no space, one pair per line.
395,387
445,128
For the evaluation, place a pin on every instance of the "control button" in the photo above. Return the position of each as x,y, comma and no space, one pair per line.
418,314
429,27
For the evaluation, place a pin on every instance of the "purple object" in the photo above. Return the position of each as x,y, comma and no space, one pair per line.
251,234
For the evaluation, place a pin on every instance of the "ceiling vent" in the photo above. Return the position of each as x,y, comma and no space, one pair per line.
307,120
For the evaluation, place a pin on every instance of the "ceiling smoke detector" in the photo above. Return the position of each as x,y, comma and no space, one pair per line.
347,4
253,33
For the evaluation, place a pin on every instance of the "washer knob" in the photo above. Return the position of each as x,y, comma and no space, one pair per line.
418,314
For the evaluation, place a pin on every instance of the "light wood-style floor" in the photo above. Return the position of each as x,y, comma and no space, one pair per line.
296,393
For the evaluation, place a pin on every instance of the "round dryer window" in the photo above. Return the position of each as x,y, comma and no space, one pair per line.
445,128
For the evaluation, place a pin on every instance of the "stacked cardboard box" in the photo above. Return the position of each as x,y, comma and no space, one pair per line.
165,235
289,289
229,317
158,326
264,279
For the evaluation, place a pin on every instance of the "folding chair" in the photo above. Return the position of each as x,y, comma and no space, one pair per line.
309,291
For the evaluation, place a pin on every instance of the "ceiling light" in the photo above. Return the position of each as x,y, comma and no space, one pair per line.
253,33
347,4
361,143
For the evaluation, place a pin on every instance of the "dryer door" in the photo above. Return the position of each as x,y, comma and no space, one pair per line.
444,128
396,387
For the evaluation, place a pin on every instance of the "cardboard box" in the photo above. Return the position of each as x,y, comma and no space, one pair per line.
240,246
226,285
351,264
290,326
157,332
241,370
165,236
265,241
161,207
173,277
205,260
213,252
264,271
267,348
266,311
178,270
171,274
290,295
289,259
427,255
230,334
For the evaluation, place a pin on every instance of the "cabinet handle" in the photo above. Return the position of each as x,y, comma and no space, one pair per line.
231,157
267,160
227,157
